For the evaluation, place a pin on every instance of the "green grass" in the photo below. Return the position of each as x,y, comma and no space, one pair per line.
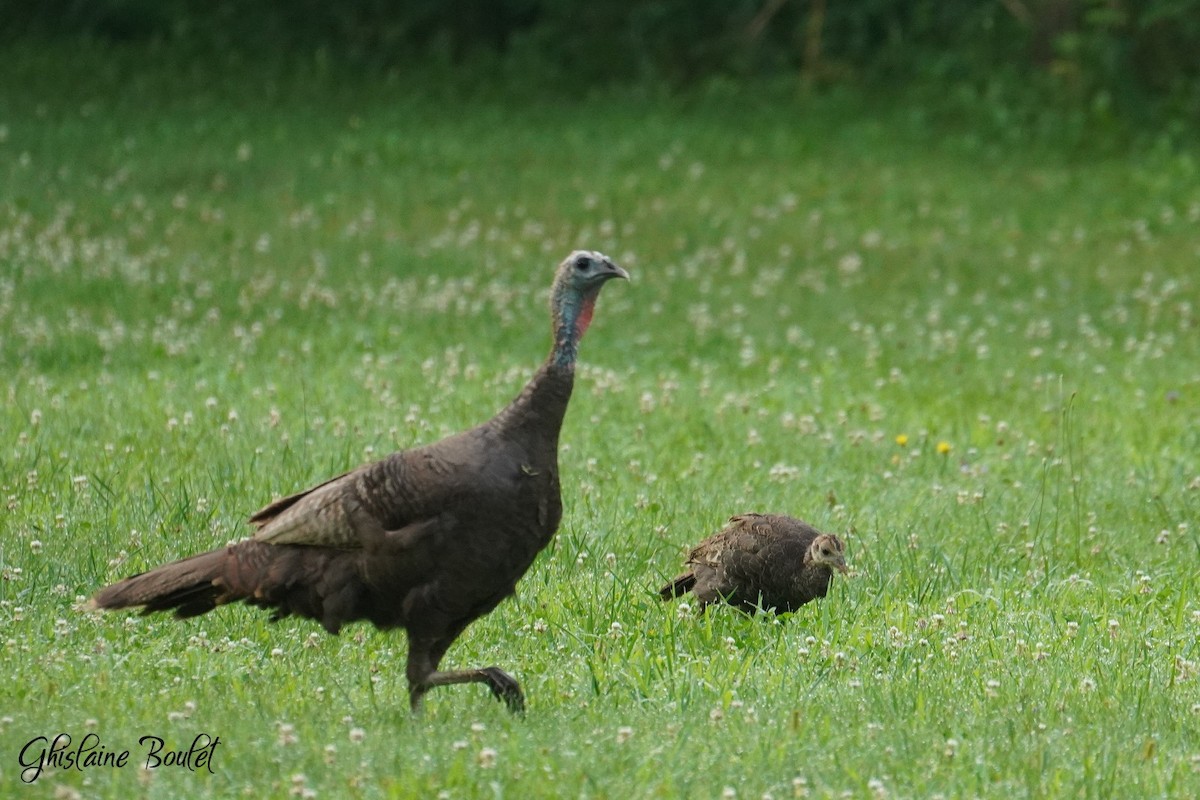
212,294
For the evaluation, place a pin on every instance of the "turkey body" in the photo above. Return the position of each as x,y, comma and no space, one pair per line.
767,561
427,539
424,539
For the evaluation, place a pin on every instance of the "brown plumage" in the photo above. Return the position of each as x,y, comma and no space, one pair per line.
427,539
764,561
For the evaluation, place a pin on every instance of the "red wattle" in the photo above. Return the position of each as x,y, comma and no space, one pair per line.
585,317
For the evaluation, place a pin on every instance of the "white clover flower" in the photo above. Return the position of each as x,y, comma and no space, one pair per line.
287,734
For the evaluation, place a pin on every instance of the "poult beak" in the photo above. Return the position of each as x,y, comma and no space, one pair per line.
842,568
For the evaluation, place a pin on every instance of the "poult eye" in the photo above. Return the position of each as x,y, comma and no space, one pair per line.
583,264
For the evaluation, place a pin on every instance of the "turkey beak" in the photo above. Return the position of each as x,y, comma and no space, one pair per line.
615,271
842,568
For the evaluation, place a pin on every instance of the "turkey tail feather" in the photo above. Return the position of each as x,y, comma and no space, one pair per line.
190,586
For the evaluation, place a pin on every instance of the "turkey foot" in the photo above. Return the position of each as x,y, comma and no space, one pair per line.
504,687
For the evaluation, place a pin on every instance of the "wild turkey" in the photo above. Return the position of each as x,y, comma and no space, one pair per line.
428,539
764,561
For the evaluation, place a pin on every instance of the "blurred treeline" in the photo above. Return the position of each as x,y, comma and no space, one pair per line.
1132,58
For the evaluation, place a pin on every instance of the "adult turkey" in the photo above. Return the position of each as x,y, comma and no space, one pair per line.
428,539
766,561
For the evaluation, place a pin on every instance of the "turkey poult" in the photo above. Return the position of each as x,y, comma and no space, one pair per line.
428,539
766,561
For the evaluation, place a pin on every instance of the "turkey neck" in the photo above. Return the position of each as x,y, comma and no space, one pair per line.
572,316
542,404
540,407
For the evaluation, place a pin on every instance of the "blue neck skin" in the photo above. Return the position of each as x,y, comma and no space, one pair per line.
573,317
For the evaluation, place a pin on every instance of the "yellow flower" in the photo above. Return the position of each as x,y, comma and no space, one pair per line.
902,439
943,448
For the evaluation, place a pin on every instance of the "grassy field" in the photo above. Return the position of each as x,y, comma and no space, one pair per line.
978,362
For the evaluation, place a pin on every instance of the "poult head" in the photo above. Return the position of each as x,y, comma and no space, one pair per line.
828,549
573,297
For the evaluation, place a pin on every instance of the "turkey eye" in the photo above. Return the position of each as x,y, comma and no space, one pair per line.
583,264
